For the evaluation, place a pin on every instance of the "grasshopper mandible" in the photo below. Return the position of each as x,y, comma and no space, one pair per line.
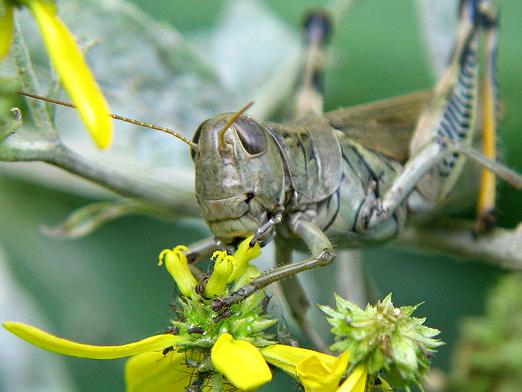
336,176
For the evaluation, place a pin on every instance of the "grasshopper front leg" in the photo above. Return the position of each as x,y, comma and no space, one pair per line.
322,254
202,249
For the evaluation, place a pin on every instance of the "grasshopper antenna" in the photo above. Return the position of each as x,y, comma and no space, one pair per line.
231,121
176,134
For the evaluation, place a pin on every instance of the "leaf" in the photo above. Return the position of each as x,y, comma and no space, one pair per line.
181,84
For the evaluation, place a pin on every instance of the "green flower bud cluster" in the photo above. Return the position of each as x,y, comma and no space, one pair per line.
386,338
196,319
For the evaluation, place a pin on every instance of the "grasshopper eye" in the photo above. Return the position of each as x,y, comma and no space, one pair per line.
195,139
252,136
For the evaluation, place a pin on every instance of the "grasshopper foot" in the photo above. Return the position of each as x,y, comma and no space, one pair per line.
485,223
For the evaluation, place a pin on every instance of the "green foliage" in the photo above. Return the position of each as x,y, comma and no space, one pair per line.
385,337
247,321
488,356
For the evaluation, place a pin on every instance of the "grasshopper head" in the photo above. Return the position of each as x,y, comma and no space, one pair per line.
239,175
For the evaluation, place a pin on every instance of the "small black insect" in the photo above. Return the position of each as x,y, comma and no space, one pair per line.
197,330
222,315
168,350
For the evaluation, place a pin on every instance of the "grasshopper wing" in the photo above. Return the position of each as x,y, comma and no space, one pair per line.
385,126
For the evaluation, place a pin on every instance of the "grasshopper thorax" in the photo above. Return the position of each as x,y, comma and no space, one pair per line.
239,175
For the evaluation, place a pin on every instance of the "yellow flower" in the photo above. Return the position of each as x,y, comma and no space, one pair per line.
316,371
356,381
69,63
176,263
224,267
156,363
243,255
154,372
240,362
319,376
218,349
49,342
227,269
6,28
162,361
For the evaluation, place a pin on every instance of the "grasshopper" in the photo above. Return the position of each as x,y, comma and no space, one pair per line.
338,177
314,179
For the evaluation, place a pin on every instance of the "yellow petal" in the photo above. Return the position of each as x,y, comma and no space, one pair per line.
58,345
223,268
155,372
177,266
74,73
319,376
356,381
287,358
240,362
313,374
243,255
6,28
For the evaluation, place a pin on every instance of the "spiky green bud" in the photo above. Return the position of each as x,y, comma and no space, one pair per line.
388,339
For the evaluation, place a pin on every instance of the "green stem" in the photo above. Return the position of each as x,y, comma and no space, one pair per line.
30,83
179,200
500,247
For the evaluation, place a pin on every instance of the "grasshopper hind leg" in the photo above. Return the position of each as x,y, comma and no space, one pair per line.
442,139
486,216
452,113
309,94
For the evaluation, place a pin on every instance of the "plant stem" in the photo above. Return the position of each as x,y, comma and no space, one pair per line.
181,201
500,247
30,83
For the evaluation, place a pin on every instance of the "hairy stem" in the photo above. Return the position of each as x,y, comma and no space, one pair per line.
30,83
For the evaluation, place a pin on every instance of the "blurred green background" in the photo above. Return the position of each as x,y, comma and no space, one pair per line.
106,287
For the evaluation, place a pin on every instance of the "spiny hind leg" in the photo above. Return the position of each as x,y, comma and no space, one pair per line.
296,299
309,92
489,110
452,113
449,119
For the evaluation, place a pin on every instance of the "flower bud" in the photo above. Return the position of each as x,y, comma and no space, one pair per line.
223,267
177,266
387,338
243,255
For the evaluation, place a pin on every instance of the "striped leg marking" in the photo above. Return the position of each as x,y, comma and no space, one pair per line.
453,111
